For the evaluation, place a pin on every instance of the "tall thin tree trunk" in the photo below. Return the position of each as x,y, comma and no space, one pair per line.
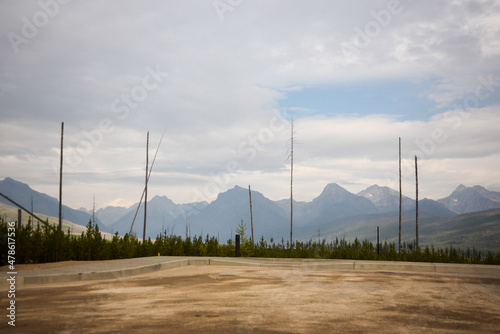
400,194
251,214
60,177
416,199
378,240
291,184
146,190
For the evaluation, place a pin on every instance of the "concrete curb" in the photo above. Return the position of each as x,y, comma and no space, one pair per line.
357,265
308,264
232,262
99,275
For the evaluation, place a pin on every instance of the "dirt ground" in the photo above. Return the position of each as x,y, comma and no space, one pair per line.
223,299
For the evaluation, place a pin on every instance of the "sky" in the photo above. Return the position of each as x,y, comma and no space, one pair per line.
222,79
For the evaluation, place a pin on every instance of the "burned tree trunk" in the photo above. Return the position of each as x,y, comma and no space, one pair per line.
146,190
400,194
60,177
416,200
251,214
291,184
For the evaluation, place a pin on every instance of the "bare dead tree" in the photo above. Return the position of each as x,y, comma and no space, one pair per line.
146,189
251,214
416,199
400,194
60,176
291,181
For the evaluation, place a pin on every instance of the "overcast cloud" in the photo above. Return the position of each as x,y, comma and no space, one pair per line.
220,77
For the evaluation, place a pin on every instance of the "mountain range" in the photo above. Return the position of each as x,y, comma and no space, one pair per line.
336,212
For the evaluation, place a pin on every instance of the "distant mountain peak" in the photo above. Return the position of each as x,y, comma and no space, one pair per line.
384,198
84,210
159,198
477,188
238,191
333,188
333,192
471,199
235,194
236,188
14,183
378,189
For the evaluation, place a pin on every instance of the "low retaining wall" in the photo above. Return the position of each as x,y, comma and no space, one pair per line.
308,264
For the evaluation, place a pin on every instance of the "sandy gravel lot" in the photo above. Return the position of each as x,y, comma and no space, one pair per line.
227,299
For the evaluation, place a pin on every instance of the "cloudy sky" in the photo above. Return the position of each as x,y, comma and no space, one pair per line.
222,79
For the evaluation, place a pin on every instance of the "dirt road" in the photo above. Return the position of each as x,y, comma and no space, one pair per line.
227,299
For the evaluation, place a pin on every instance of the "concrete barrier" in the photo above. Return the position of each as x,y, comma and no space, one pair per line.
98,275
198,261
232,262
174,264
49,279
